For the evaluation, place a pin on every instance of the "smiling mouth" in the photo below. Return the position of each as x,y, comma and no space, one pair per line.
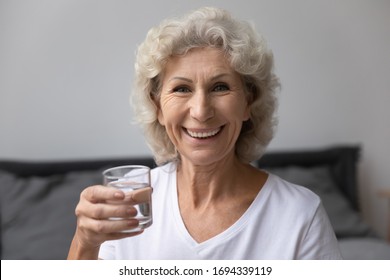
203,134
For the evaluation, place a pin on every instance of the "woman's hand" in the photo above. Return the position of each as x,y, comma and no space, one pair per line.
96,206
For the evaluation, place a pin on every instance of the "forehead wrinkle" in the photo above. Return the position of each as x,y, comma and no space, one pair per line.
181,78
216,77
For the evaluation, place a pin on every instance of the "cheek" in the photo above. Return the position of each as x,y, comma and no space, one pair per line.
162,112
168,111
240,110
160,117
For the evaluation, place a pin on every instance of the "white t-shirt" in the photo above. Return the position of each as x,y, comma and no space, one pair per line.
285,221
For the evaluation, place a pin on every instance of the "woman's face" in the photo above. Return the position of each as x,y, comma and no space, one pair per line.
202,105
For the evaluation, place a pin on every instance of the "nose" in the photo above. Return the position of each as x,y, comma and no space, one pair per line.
201,107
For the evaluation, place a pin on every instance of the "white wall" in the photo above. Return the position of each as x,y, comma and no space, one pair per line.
66,69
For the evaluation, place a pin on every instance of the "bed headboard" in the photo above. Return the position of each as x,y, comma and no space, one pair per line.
342,161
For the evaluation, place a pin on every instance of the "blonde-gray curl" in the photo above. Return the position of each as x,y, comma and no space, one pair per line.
248,55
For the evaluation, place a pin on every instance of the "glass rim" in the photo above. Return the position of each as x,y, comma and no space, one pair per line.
140,167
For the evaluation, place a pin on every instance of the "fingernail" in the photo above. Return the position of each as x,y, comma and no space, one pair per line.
118,195
133,223
131,211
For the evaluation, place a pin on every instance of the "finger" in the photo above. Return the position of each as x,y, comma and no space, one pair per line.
110,226
104,211
139,196
87,232
99,193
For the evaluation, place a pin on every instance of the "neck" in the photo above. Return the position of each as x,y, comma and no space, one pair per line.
202,184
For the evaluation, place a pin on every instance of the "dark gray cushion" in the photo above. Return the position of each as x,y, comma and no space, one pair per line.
364,249
345,220
37,213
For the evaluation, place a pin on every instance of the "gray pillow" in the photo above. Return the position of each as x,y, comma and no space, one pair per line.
37,213
364,249
345,220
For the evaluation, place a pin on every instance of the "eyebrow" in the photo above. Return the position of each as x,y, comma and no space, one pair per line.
181,78
191,81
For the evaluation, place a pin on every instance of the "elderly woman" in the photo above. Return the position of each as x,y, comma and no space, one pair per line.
205,96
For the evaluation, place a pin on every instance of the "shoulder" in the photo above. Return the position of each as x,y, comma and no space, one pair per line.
302,210
285,197
285,190
164,170
163,174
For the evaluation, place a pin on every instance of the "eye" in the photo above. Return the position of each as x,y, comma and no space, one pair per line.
221,87
181,89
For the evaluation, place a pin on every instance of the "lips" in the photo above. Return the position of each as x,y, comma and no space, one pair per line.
202,134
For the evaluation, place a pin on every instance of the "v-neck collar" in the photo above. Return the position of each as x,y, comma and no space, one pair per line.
224,235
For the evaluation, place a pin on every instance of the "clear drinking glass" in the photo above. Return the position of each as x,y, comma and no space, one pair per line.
134,179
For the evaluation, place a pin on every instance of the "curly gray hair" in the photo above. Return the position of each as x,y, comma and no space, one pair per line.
248,55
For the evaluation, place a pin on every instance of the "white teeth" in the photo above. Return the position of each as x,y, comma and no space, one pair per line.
203,134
